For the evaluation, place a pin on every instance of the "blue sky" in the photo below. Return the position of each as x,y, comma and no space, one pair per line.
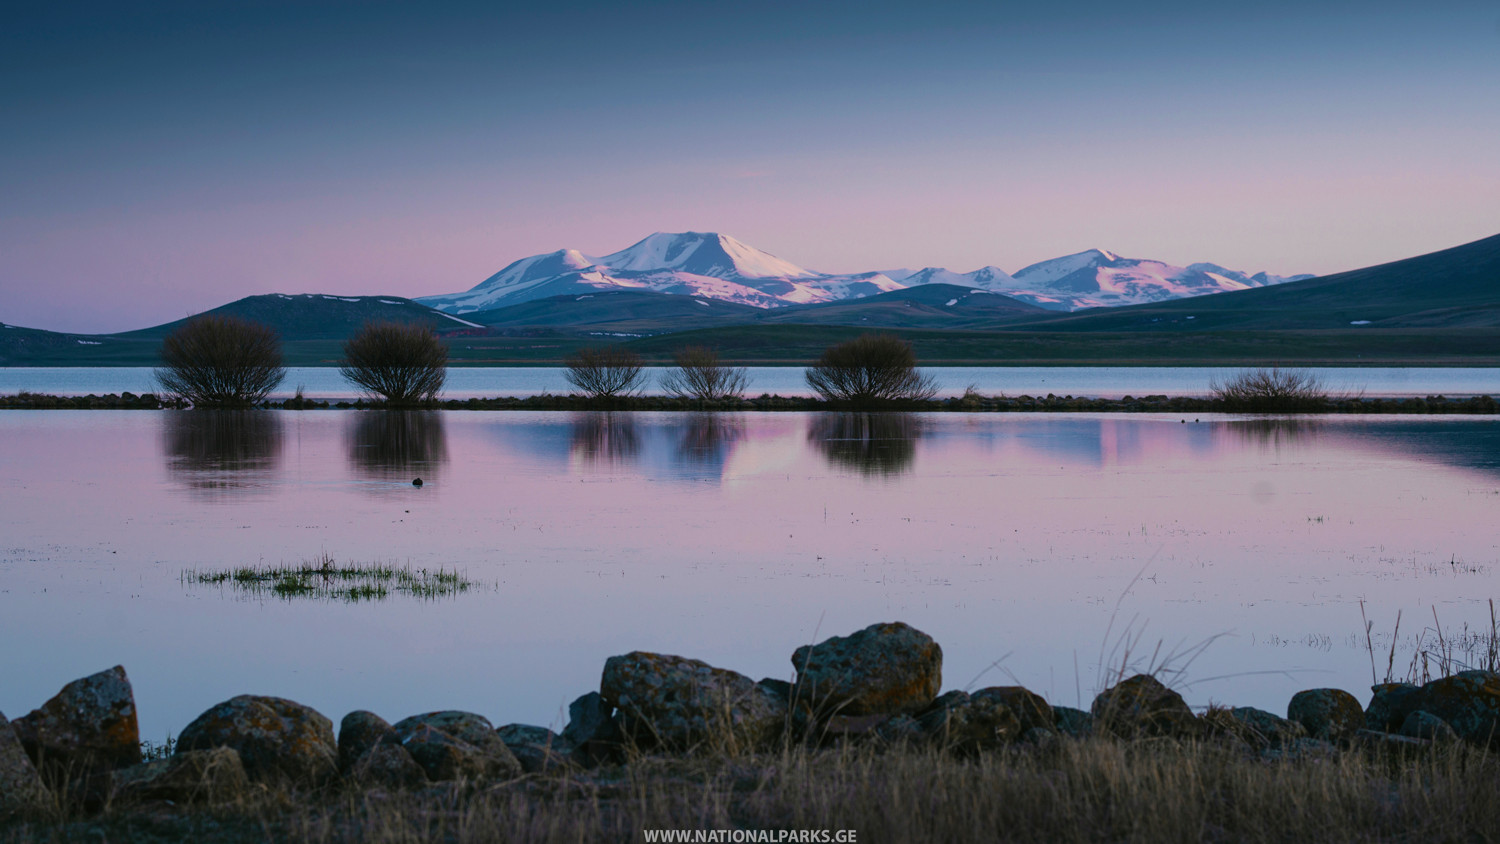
158,159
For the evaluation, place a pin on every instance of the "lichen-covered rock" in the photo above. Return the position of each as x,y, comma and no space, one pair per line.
592,730
1469,702
277,739
884,669
1329,714
538,749
1263,729
21,787
388,765
1390,704
1071,722
490,758
971,723
195,776
359,731
1425,725
680,703
1031,710
89,726
1141,705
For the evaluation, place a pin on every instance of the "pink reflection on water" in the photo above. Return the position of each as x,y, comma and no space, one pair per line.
732,538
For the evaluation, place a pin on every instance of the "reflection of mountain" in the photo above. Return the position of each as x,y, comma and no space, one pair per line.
397,445
222,452
869,443
604,437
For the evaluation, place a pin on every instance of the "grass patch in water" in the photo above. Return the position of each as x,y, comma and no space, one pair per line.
324,579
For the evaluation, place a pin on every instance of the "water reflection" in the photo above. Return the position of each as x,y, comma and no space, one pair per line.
217,453
708,438
397,445
604,436
870,443
1272,433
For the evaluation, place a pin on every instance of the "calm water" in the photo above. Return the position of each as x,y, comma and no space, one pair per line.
1106,382
1011,538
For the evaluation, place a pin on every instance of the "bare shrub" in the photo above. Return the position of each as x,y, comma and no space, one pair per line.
870,368
402,363
699,375
220,361
1271,390
605,372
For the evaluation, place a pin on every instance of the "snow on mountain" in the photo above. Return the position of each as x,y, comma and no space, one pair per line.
716,266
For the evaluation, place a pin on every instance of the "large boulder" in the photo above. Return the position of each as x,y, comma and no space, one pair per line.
1257,728
389,766
884,669
359,732
452,744
1031,709
21,788
970,723
1142,706
538,749
1071,722
1469,702
680,703
592,730
196,776
88,727
1390,705
278,740
1328,714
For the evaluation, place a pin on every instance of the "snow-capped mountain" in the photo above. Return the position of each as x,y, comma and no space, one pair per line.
717,266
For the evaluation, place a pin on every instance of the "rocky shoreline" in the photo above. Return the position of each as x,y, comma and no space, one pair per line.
1428,405
878,687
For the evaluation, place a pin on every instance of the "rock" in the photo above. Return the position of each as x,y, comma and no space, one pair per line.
780,689
1263,729
1073,722
1425,725
21,787
970,723
87,727
1389,706
1031,710
1141,705
900,729
388,765
195,776
1300,749
1389,742
359,731
278,740
680,703
490,758
538,749
1470,702
592,730
1329,714
883,669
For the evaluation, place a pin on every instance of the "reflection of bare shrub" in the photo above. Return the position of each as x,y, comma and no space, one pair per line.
404,364
398,444
870,368
1274,432
606,372
707,436
212,450
870,443
1271,390
605,436
699,375
220,361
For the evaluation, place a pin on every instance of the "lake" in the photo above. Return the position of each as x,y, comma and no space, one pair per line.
1027,545
1093,381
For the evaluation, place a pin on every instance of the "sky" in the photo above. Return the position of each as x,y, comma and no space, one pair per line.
161,158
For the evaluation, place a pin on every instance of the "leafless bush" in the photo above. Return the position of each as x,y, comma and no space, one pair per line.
1271,390
401,363
870,368
605,372
699,375
220,361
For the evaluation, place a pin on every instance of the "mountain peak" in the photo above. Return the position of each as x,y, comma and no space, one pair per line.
702,253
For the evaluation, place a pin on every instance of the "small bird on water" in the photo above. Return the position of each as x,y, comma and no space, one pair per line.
417,482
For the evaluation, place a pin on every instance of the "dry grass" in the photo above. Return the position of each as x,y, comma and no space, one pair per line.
1097,790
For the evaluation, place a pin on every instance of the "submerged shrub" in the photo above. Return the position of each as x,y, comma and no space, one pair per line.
401,363
870,368
699,375
220,361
